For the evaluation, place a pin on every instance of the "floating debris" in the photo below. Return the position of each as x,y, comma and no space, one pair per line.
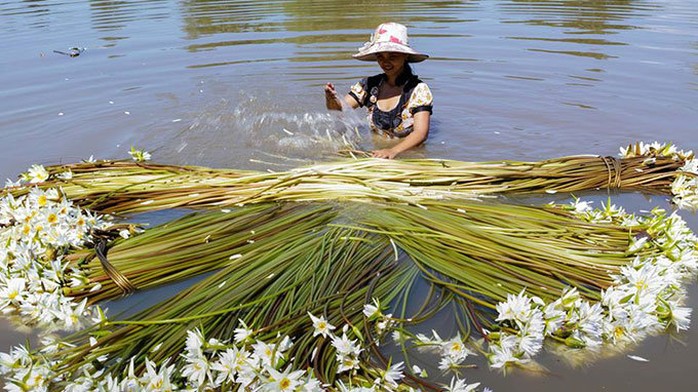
71,52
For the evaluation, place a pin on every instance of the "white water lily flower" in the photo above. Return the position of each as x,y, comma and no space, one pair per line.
447,363
37,174
345,346
38,377
455,349
12,291
285,344
139,155
392,375
581,207
589,320
532,334
646,280
504,353
66,175
195,343
11,184
265,353
458,385
242,334
516,308
680,317
282,381
690,166
372,310
157,380
399,337
322,327
346,363
553,317
312,384
229,363
434,341
197,370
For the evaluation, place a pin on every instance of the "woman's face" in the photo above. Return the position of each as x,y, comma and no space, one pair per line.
391,62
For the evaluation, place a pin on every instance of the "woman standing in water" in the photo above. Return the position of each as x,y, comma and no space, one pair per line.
399,104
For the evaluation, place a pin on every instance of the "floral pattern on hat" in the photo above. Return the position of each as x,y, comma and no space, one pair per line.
389,37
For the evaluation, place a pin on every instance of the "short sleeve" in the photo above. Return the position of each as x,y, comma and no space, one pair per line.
421,99
358,91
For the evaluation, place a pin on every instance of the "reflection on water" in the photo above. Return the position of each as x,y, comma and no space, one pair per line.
321,31
116,15
238,83
577,18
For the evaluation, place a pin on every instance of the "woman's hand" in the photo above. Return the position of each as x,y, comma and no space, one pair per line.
387,153
331,98
415,138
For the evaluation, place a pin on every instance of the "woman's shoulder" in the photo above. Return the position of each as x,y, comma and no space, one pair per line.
421,95
370,81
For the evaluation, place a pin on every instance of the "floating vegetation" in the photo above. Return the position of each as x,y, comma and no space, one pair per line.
138,186
313,272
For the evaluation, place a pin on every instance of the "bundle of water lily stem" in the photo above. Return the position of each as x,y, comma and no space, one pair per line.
307,279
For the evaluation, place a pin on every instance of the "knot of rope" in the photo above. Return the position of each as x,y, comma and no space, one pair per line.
613,168
119,279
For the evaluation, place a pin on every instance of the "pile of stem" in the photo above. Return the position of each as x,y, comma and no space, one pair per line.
331,259
333,272
195,244
482,252
485,249
128,187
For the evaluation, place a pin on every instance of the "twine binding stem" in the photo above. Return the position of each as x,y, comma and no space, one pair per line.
119,279
614,180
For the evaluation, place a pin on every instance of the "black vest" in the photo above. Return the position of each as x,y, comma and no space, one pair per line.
390,120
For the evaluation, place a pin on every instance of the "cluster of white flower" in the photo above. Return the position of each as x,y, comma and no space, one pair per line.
36,231
453,352
23,370
374,312
207,364
348,351
653,149
139,155
246,363
24,373
685,186
608,213
646,295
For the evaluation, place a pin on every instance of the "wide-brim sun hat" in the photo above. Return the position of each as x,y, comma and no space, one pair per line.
389,37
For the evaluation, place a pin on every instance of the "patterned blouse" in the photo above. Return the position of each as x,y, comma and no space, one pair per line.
398,122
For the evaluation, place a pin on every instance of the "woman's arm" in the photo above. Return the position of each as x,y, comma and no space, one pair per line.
333,102
419,134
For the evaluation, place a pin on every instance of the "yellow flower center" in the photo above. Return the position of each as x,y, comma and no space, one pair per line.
285,383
